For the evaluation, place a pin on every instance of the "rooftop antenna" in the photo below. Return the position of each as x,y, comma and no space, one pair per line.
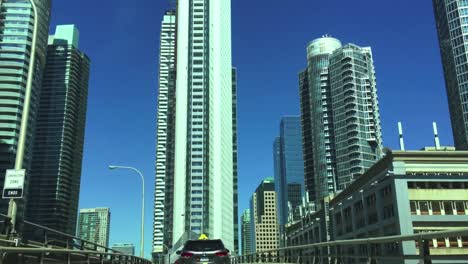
400,132
436,136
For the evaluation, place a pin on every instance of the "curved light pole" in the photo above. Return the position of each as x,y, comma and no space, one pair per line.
12,208
168,254
112,167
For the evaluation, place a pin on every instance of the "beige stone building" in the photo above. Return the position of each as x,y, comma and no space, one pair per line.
264,217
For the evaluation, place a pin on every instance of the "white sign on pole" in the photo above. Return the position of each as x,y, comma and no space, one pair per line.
14,184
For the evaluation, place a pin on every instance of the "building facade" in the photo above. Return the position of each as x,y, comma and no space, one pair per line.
356,117
15,42
164,190
452,28
246,233
312,227
58,146
406,192
203,176
125,248
338,95
264,227
234,161
94,226
289,167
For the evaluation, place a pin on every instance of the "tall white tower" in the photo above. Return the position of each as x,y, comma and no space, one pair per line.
202,186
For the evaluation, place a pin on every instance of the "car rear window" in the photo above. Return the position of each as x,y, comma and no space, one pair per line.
204,245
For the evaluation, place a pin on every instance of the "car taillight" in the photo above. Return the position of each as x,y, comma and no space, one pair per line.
221,254
187,255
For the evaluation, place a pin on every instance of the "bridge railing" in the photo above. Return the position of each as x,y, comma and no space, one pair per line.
22,255
390,249
39,244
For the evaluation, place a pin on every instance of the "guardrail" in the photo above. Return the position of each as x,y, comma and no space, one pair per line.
18,255
368,250
38,244
40,236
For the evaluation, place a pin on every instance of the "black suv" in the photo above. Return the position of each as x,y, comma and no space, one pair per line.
204,252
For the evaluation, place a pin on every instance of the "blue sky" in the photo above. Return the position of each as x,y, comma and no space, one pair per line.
269,41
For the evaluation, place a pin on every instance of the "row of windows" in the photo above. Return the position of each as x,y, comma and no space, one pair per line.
439,207
438,185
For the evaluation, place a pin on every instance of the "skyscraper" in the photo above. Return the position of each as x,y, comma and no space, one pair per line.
340,116
203,176
264,218
125,248
246,233
94,226
450,17
15,46
58,147
289,167
164,192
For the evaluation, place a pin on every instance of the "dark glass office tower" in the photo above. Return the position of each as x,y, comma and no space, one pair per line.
289,168
16,33
452,27
58,147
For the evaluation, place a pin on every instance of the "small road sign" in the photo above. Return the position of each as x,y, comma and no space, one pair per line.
14,184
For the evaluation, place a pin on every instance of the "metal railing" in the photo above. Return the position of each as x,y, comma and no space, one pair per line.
37,244
368,250
22,255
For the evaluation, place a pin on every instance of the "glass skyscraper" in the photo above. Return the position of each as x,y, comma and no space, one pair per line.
58,146
16,33
452,26
198,195
246,233
289,167
340,116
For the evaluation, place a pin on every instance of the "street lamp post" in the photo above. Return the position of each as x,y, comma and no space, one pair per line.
168,254
12,208
142,205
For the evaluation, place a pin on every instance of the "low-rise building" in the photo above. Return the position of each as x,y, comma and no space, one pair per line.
404,193
313,226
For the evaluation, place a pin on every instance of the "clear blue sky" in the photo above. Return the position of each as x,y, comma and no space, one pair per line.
269,41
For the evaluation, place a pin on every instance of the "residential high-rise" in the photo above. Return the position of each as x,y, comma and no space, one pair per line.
202,134
94,226
356,117
263,217
340,116
58,146
451,27
234,160
127,248
246,233
289,167
164,192
15,41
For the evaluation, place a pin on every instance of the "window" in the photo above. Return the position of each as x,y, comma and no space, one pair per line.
448,208
414,207
459,205
424,207
436,210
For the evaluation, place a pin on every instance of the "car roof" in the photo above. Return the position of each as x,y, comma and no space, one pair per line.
196,240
